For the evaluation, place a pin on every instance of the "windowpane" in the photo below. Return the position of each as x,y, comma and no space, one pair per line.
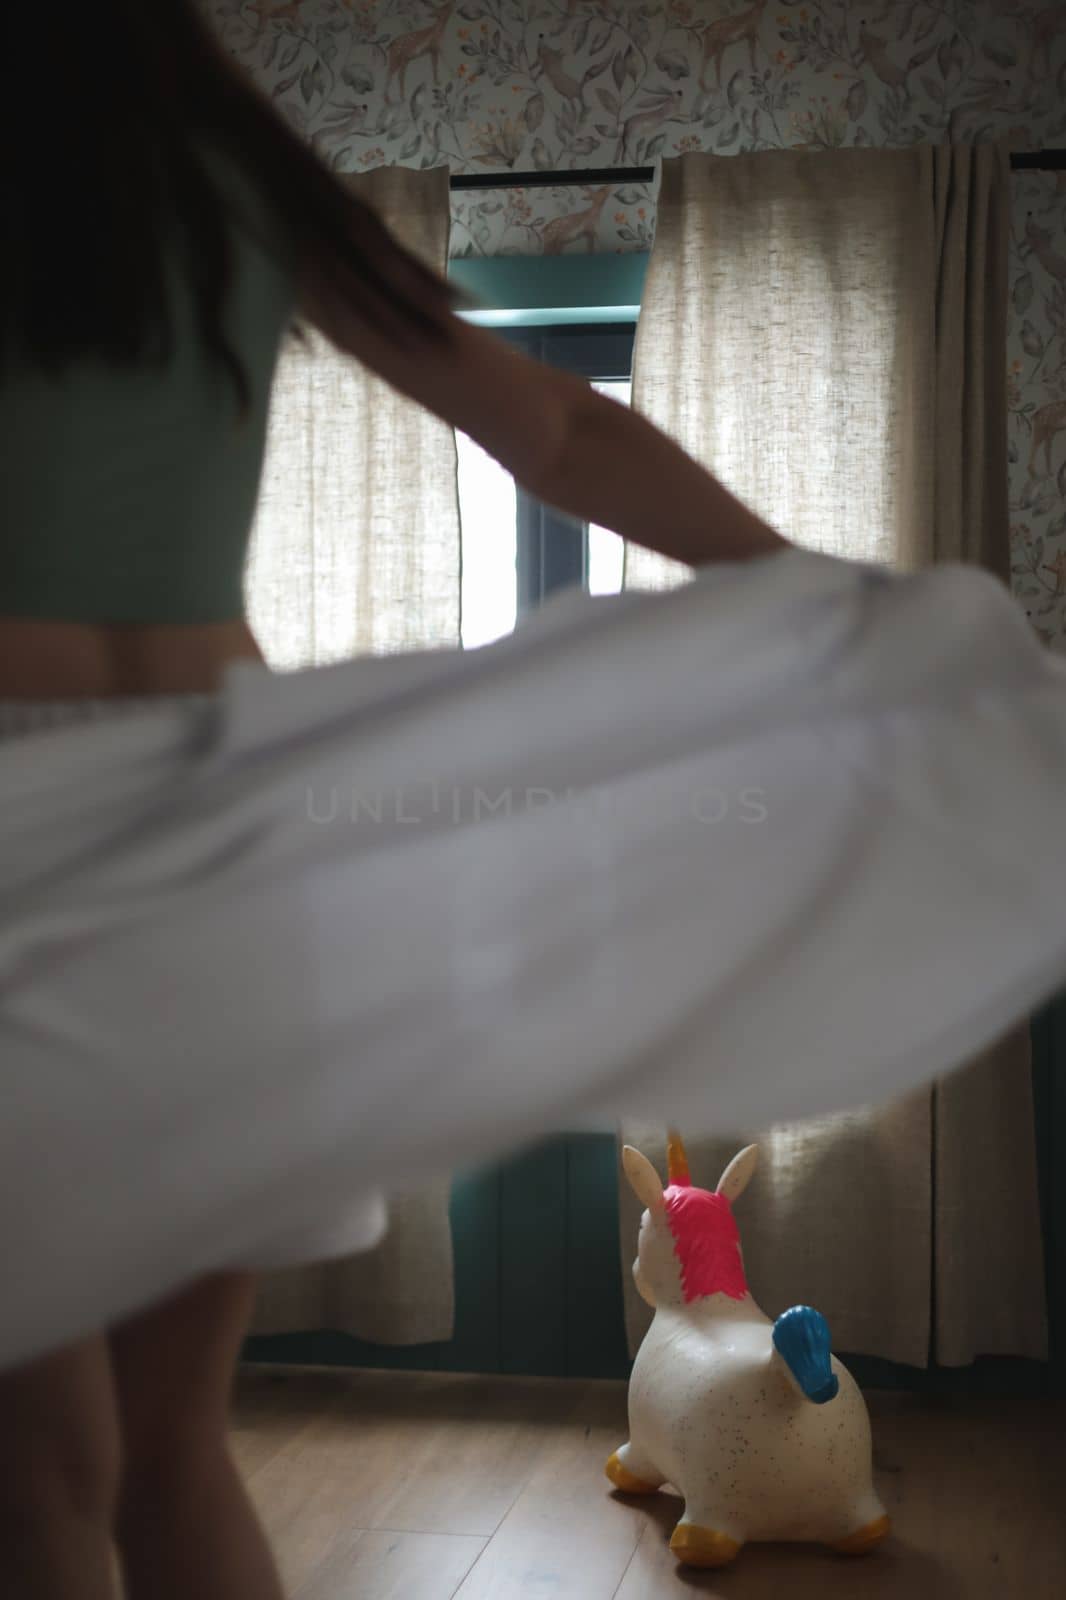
606,549
488,505
487,510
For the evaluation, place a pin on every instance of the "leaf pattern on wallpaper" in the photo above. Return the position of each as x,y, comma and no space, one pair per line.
506,85
1036,391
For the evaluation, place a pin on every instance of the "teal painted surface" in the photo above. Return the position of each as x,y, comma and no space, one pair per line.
596,1342
533,1261
524,291
475,1217
538,1275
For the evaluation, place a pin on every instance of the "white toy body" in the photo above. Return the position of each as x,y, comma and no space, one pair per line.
717,1410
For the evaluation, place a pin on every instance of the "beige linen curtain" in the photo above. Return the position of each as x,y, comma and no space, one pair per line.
355,550
827,333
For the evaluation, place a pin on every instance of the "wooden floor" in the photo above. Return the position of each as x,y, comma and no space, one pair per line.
392,1486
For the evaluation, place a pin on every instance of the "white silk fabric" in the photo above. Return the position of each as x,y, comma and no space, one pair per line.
782,841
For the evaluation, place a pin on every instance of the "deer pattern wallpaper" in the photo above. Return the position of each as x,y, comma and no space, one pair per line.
498,85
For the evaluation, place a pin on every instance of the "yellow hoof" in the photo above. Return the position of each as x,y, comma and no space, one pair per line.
702,1547
625,1480
857,1544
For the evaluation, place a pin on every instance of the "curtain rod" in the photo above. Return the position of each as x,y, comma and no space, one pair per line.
1045,160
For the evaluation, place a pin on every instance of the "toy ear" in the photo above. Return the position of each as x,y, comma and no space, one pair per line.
643,1180
739,1173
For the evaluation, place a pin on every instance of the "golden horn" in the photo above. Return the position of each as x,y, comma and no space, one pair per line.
677,1160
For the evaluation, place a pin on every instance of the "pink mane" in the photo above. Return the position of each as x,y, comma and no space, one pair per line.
706,1242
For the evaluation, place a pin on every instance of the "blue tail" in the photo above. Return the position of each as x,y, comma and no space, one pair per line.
802,1337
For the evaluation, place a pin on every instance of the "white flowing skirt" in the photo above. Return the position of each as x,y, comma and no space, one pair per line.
783,841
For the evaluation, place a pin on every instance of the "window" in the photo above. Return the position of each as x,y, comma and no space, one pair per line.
517,551
606,549
487,497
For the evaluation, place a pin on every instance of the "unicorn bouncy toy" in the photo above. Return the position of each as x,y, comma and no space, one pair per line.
764,1433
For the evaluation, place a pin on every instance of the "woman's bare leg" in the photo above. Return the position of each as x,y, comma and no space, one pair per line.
59,1476
185,1523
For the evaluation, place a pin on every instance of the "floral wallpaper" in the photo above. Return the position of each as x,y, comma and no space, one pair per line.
1036,396
498,85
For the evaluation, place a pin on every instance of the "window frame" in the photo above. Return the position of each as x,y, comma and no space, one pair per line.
551,548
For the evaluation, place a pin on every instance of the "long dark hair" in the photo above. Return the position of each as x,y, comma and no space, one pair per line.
102,122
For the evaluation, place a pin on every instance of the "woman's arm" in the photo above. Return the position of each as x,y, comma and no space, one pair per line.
568,445
617,469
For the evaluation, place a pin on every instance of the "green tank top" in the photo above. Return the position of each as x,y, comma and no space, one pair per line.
128,494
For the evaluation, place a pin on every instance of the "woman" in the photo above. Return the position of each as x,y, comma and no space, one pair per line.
166,227
144,305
